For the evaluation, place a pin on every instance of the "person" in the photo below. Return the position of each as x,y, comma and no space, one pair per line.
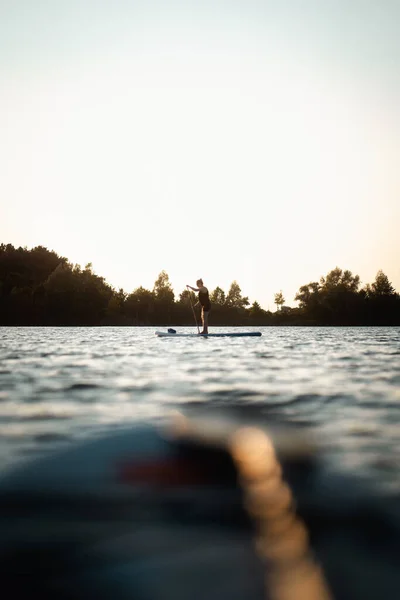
204,301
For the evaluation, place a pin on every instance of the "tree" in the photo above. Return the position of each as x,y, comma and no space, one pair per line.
366,292
20,267
332,300
381,303
338,280
139,305
116,306
382,286
279,300
186,296
164,299
163,289
218,296
255,308
234,298
75,296
258,315
307,296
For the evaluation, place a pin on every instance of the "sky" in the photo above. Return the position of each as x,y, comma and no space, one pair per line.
254,141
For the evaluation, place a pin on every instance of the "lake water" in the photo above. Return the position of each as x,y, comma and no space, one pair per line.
59,384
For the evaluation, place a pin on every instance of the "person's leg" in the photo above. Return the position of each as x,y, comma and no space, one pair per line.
202,319
204,315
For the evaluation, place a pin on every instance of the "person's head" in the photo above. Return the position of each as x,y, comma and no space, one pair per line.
199,283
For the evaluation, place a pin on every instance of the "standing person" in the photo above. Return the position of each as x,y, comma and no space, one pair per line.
204,301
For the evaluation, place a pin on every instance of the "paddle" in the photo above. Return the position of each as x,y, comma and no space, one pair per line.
194,313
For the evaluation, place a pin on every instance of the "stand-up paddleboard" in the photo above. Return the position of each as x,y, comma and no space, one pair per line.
207,335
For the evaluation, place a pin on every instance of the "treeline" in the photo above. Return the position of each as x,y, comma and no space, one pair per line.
337,300
39,287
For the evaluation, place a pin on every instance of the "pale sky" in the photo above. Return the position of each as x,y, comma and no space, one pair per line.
249,140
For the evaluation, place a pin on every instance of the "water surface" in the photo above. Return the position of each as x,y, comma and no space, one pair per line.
58,384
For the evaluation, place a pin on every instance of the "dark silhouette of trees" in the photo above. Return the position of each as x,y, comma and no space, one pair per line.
39,287
382,286
140,306
218,296
76,296
336,300
234,299
279,300
164,299
162,288
259,316
381,302
186,296
22,274
339,297
116,309
338,280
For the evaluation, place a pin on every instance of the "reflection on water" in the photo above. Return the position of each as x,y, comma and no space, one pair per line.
57,384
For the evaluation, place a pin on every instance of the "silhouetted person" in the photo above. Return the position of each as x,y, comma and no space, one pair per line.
204,301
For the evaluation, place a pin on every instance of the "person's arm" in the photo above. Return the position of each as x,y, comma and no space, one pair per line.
195,290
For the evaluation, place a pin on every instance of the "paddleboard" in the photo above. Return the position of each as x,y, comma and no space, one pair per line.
240,334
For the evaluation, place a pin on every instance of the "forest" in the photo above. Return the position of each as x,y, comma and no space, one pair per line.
39,287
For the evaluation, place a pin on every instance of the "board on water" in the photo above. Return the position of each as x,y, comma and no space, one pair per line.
226,334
